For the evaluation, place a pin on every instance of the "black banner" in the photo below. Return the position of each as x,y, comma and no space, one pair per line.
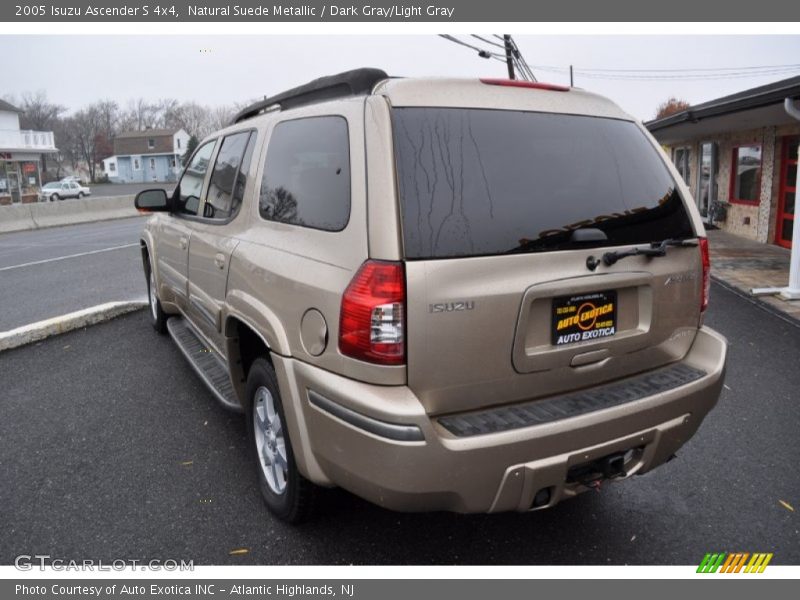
172,11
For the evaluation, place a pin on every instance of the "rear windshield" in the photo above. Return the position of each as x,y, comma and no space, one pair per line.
479,182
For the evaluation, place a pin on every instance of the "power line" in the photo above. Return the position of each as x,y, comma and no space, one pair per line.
481,52
684,69
490,42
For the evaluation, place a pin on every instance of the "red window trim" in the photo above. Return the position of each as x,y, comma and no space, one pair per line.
732,187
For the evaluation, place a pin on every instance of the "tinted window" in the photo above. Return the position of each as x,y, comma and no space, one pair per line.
220,200
307,174
190,188
482,182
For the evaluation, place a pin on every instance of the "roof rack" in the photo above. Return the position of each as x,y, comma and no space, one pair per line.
357,82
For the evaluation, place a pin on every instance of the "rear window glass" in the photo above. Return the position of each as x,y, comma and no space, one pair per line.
307,174
484,182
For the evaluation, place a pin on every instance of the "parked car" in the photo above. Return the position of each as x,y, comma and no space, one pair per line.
59,190
448,294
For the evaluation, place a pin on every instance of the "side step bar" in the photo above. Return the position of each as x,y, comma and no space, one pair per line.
205,362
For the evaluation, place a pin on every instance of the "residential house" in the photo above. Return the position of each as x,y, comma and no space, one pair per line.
738,156
20,157
152,155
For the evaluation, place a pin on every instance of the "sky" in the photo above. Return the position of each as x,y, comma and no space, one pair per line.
222,69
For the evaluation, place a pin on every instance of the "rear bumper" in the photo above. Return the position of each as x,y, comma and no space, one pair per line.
379,443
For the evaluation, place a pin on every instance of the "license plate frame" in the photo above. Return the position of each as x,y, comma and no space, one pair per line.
583,317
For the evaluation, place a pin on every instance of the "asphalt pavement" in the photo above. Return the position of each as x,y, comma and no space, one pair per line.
50,272
110,447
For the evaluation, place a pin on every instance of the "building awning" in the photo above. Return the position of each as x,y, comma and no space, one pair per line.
751,109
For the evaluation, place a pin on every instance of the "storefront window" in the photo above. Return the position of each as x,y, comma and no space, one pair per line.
706,177
29,178
4,193
746,174
681,159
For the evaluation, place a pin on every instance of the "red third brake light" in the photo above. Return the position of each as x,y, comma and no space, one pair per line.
535,85
372,319
706,260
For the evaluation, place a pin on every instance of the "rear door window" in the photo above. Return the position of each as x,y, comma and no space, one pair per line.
485,182
307,174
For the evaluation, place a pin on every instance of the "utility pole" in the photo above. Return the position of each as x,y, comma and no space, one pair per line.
509,61
571,81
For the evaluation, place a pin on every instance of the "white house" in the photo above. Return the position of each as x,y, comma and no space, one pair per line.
152,155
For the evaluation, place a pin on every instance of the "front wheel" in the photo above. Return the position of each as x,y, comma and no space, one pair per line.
158,318
54,197
287,494
80,195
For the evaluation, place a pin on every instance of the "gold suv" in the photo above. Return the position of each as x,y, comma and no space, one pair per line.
439,294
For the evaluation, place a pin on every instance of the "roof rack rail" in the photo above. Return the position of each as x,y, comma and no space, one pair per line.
357,82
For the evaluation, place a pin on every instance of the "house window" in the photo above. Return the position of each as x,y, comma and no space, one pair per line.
152,164
177,144
173,163
746,174
136,164
112,167
680,157
151,143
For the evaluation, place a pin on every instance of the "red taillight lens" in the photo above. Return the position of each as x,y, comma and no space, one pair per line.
706,260
534,85
372,321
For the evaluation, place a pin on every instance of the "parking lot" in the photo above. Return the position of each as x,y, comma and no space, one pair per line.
110,447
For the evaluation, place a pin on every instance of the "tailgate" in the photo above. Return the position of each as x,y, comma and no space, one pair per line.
500,211
480,330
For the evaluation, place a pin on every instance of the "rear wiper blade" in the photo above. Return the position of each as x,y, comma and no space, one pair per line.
655,249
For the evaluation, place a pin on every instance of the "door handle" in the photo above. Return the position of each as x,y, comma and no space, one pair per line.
184,241
219,260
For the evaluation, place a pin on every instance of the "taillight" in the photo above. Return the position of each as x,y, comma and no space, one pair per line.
534,85
706,260
372,321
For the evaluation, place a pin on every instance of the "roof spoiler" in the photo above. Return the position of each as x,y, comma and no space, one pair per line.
358,82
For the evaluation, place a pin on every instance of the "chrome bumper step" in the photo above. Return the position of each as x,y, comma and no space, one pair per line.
206,363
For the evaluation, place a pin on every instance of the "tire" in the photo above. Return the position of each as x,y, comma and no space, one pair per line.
54,197
80,195
287,494
158,318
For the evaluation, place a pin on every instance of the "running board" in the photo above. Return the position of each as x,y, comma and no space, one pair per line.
205,362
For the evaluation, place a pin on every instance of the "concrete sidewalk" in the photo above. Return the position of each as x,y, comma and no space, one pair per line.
742,264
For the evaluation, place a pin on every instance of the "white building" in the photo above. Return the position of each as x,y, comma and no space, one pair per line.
20,155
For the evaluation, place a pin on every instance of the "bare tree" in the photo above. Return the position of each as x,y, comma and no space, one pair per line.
39,114
192,117
89,135
220,116
65,133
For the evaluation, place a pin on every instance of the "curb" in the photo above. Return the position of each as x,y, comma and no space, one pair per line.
40,330
766,306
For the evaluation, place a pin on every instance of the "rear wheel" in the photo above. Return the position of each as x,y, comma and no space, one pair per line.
158,317
287,494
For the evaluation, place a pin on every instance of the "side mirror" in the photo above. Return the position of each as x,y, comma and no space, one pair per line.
152,201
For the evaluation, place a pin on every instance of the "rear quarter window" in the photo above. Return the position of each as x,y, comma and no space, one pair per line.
485,182
307,174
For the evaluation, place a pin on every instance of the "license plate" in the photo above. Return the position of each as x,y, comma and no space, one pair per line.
585,317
